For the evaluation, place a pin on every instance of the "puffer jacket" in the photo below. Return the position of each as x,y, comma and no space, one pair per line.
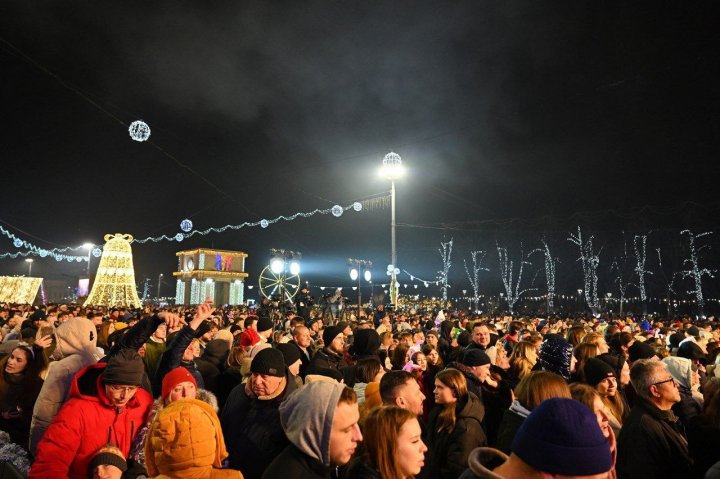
137,453
327,359
185,441
252,427
448,452
76,349
84,424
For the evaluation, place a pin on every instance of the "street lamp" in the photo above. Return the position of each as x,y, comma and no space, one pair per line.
89,247
392,169
356,266
29,261
160,277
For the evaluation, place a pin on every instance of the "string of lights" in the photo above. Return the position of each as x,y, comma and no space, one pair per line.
337,211
414,277
34,250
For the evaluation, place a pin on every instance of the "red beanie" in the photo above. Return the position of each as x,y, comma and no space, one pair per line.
175,377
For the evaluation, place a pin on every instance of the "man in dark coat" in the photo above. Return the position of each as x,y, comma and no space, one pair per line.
250,419
332,355
302,341
652,443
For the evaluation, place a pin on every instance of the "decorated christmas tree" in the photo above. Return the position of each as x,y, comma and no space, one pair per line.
115,281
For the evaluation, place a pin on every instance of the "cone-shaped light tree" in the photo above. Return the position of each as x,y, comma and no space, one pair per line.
115,281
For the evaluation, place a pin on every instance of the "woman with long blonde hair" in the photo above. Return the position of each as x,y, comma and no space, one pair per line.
393,446
522,360
454,427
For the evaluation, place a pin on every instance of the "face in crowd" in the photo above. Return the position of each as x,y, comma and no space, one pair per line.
345,434
481,336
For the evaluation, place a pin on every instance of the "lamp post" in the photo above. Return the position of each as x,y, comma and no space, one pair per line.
89,247
160,277
29,261
360,268
392,169
580,292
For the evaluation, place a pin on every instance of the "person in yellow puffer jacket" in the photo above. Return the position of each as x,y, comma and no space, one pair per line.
185,441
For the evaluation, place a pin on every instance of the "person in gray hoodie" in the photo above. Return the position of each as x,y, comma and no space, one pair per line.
321,422
76,348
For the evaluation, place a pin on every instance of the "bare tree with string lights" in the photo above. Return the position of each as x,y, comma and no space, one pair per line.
590,261
694,271
668,281
446,253
640,245
507,270
477,260
550,264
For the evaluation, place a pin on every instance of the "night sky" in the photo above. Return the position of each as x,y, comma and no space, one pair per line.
515,120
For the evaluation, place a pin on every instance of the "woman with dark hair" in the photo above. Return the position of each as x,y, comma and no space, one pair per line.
453,427
419,369
434,366
393,446
20,384
581,354
620,343
574,335
529,393
400,357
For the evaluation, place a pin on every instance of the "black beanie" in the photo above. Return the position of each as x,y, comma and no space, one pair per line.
596,370
330,333
290,352
640,350
125,368
108,455
263,324
365,342
475,357
269,361
616,362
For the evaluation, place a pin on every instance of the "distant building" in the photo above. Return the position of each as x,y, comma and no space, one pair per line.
210,273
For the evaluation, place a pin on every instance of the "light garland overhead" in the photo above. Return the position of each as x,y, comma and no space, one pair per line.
37,251
336,211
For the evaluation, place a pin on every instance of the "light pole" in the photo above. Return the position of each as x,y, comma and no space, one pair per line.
159,284
29,261
392,169
360,268
580,292
282,261
89,247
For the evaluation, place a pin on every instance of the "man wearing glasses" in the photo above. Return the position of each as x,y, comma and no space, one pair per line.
106,405
652,441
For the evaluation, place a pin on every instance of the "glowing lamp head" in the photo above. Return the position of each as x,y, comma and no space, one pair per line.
88,246
294,268
277,265
368,275
353,274
392,167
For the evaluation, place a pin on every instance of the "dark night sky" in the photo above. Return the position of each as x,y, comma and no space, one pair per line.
515,119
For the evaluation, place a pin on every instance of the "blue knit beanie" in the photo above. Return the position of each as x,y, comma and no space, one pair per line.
562,436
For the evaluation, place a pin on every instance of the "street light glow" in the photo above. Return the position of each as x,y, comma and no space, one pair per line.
368,275
294,268
88,246
277,265
29,260
392,167
353,274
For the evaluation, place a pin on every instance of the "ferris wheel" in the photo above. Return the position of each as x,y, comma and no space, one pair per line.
281,283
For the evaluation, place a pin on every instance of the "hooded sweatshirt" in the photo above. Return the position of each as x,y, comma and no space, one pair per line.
306,417
681,371
76,348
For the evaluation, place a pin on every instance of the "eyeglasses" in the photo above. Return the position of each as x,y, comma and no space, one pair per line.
127,389
666,381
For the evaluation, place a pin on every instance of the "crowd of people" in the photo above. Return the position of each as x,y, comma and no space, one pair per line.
231,392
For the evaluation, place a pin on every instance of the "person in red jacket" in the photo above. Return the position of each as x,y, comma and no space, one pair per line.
106,406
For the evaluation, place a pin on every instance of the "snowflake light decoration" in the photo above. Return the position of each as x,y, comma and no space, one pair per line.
186,225
139,130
